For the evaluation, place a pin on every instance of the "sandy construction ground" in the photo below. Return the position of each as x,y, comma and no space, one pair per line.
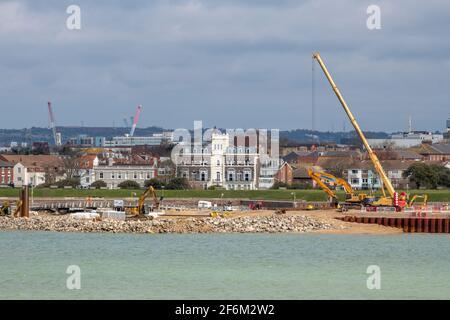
328,216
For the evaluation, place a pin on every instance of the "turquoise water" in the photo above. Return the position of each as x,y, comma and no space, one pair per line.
223,266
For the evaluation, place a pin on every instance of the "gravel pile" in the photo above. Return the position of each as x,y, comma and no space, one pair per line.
265,224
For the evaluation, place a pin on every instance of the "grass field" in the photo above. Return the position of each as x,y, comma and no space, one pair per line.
308,195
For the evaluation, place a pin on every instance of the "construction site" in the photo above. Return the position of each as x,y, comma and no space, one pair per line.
391,209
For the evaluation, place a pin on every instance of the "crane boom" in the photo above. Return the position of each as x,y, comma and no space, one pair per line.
373,157
135,120
52,122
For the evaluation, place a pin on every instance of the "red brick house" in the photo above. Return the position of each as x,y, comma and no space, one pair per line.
6,173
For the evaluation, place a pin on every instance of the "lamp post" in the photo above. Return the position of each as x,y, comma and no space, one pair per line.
295,202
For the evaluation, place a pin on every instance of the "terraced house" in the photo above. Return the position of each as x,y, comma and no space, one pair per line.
34,169
6,173
113,171
362,175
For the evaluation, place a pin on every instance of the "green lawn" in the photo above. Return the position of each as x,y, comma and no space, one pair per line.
308,195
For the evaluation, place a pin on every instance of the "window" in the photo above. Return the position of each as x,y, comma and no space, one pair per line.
119,175
113,176
355,181
218,162
247,176
135,175
217,176
100,175
148,175
203,176
230,177
354,171
19,170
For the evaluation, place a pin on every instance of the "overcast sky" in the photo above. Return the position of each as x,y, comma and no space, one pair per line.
229,63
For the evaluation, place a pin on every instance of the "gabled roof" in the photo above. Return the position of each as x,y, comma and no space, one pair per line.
40,160
436,148
6,164
442,148
87,161
386,164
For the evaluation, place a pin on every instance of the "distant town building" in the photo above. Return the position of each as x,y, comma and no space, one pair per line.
129,141
115,171
34,169
83,140
435,152
85,169
361,175
406,139
447,134
6,173
219,164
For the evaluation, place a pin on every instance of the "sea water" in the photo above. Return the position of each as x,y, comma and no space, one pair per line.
36,265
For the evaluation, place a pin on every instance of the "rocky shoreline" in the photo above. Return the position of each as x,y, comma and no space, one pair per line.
258,224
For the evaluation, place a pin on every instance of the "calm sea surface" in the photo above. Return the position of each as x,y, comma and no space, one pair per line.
216,266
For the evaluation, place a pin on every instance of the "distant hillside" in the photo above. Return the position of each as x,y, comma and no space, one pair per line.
44,134
302,135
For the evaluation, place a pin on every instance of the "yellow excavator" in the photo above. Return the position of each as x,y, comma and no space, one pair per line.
393,199
140,208
5,209
351,198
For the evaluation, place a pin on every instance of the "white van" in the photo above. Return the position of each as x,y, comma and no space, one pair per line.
204,204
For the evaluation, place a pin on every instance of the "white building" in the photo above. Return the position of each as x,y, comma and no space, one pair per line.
34,169
219,164
362,175
86,171
115,173
406,139
129,141
225,164
28,175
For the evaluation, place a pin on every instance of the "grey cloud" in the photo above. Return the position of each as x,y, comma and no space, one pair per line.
229,63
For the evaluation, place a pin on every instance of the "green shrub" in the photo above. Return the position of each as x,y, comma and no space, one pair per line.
129,184
178,184
155,183
98,184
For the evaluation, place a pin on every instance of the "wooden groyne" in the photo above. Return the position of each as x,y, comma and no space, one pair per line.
411,224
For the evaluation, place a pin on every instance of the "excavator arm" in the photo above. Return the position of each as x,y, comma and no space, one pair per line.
338,181
317,178
141,202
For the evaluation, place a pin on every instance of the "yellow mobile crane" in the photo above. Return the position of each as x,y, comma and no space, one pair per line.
393,199
351,198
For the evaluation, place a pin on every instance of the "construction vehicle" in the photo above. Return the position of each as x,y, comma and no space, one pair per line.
351,198
18,209
5,209
140,209
255,205
424,198
393,199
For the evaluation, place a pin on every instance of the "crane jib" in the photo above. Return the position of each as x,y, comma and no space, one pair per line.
372,155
